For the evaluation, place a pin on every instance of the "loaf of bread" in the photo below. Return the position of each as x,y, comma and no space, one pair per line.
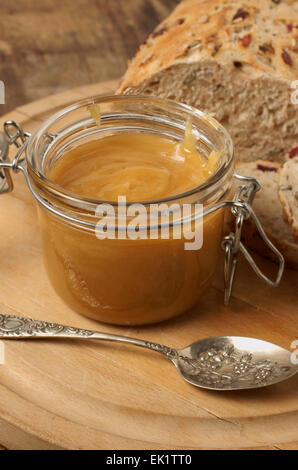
269,211
288,193
234,59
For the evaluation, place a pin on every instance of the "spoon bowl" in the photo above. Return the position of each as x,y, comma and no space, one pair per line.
234,363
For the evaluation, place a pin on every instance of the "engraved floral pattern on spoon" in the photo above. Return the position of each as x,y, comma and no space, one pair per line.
226,366
16,326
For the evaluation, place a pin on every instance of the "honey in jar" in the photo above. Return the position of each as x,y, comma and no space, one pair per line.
121,280
146,151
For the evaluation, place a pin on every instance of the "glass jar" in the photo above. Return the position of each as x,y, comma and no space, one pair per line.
123,280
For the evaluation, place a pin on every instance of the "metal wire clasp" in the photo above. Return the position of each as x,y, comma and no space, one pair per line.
14,135
242,210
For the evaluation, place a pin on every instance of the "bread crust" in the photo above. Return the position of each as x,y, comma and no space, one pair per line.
252,239
260,33
267,206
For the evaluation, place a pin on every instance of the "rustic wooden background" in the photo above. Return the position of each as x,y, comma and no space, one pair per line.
48,46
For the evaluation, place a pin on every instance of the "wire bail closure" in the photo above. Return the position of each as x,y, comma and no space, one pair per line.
240,207
232,244
6,183
14,135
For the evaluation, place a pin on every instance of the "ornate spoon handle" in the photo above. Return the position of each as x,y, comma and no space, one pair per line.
12,327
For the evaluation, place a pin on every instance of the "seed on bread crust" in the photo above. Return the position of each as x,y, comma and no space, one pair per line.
179,21
240,15
246,40
290,27
159,31
286,57
294,152
262,167
267,48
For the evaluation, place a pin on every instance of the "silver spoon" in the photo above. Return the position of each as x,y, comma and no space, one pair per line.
219,363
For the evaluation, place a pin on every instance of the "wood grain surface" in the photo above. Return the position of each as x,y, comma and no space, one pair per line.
48,46
93,395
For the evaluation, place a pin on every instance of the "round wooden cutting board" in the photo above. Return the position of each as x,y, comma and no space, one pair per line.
93,395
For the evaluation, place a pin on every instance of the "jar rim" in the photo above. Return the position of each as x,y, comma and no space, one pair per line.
77,200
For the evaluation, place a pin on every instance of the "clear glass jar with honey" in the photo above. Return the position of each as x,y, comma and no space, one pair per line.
146,277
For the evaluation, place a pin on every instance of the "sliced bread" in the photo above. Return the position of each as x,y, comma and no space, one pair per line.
235,60
268,209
